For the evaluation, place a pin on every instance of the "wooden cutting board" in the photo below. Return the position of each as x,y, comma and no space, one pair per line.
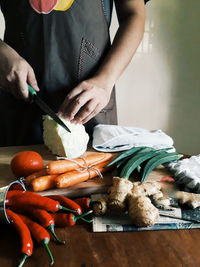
96,185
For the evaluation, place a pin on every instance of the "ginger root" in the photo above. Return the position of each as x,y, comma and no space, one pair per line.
135,196
191,199
141,211
146,188
118,193
161,202
100,206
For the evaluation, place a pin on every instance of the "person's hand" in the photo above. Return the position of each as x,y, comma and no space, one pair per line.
15,73
85,101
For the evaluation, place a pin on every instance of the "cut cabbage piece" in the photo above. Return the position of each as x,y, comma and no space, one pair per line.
63,143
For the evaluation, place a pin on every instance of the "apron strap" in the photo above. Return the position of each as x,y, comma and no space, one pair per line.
107,7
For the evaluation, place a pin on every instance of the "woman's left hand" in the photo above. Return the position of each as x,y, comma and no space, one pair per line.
85,101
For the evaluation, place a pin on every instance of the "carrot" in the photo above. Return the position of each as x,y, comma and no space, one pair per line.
34,175
74,177
43,183
63,166
67,179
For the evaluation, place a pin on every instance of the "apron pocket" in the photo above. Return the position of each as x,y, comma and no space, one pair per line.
88,60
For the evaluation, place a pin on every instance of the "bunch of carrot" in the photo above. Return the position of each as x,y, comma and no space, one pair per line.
33,215
65,173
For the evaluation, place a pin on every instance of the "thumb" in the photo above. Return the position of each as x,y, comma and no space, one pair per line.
31,79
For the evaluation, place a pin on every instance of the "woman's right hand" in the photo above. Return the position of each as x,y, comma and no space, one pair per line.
15,73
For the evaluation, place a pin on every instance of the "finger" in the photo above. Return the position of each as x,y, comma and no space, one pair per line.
87,109
62,108
31,79
74,93
68,99
21,80
73,108
92,114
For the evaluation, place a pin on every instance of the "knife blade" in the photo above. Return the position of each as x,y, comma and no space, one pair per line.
46,108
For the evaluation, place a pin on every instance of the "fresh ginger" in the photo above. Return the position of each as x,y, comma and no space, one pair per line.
153,189
141,211
134,197
191,199
118,193
161,202
146,188
100,206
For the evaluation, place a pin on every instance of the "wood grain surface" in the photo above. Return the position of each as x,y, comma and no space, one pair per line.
86,249
169,248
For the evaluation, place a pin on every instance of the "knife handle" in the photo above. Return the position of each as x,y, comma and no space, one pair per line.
31,90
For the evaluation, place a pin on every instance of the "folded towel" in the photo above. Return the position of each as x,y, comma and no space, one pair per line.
186,172
113,138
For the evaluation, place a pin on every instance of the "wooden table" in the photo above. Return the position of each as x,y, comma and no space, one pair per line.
86,249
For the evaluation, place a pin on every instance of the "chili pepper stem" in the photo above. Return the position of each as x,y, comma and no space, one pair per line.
22,260
83,215
52,230
45,244
88,221
63,208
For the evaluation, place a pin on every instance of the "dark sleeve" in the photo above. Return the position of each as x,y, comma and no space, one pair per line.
146,1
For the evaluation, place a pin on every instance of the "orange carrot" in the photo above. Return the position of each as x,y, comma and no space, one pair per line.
34,175
43,182
63,166
74,177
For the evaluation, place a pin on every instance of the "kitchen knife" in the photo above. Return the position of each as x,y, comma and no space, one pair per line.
46,108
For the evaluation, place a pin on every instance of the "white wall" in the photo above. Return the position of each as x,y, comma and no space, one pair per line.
160,88
1,25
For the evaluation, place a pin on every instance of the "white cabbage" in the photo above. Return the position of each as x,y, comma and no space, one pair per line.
61,142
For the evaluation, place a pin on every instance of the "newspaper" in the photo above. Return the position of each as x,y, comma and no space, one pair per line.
176,218
184,214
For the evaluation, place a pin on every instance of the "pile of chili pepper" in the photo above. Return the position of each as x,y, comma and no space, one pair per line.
33,215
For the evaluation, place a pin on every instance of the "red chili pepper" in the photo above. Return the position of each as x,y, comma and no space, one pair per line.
17,199
69,219
67,203
64,219
46,220
12,193
83,202
22,229
39,233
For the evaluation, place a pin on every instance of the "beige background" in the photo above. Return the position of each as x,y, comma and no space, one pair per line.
161,87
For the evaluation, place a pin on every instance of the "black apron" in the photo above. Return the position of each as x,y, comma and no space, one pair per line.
64,48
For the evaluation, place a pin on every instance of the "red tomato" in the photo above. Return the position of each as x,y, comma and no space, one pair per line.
26,162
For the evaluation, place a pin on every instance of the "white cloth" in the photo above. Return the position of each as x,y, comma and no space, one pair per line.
113,138
187,173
